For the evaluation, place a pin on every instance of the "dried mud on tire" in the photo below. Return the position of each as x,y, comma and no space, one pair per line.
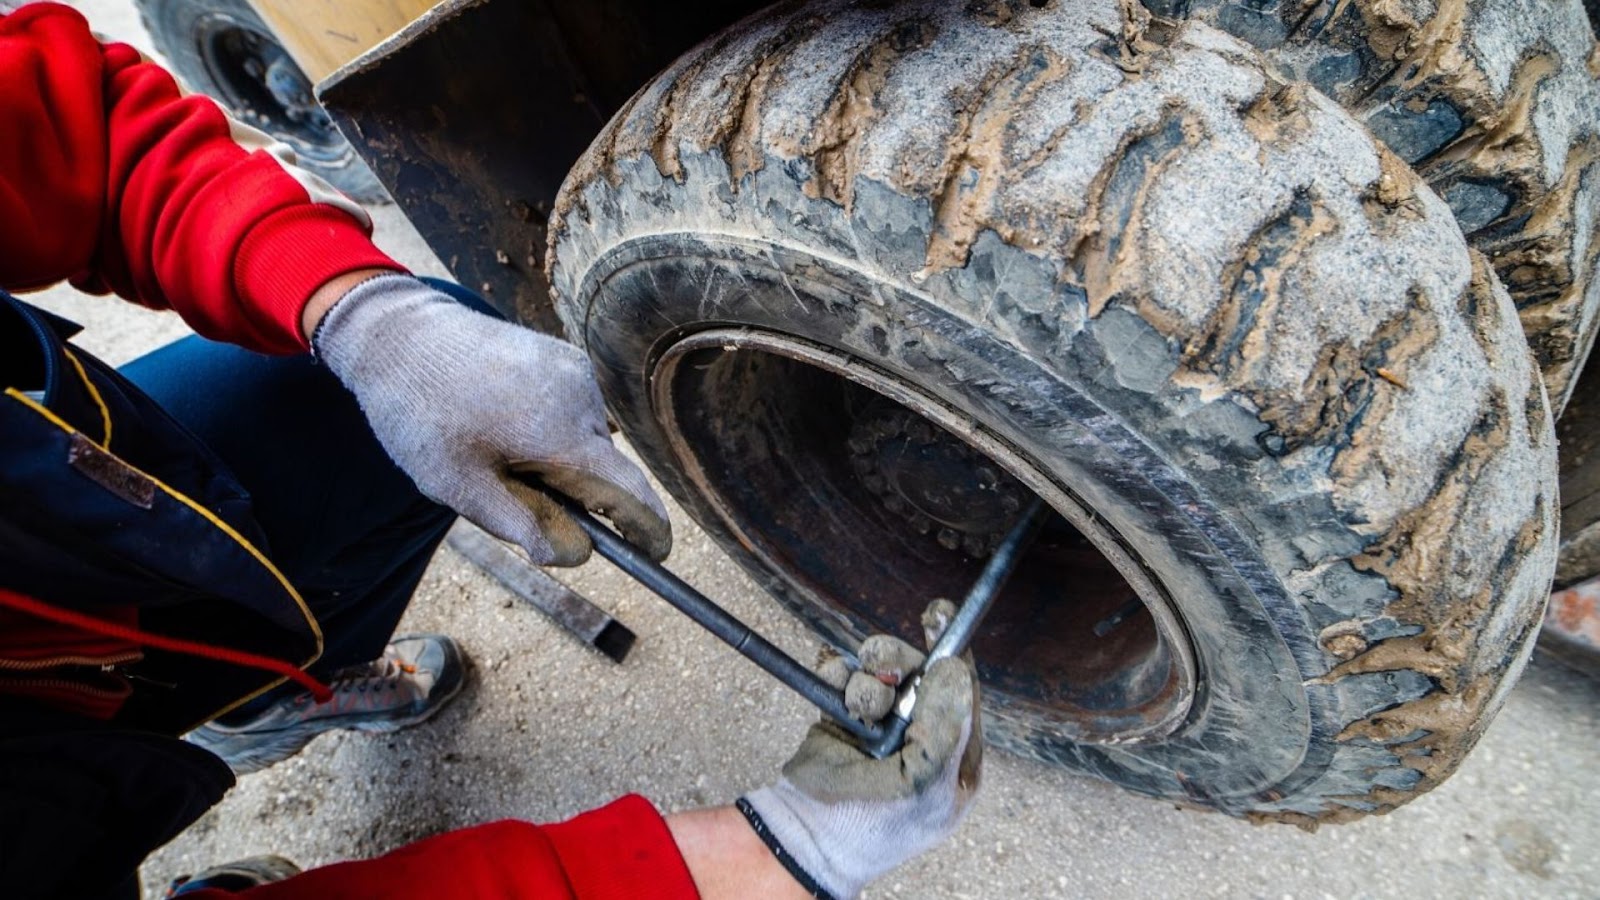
1200,296
1496,103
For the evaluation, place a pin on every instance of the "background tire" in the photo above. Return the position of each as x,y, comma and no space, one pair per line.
221,48
1496,104
1233,341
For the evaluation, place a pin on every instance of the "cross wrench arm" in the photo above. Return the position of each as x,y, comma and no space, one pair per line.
879,740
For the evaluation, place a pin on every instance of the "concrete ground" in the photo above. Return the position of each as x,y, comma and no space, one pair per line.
548,728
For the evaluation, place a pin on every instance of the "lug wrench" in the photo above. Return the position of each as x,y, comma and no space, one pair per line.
877,740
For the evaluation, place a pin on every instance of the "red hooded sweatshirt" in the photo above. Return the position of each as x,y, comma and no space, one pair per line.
114,180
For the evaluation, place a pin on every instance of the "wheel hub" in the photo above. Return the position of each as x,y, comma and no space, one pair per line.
939,485
289,87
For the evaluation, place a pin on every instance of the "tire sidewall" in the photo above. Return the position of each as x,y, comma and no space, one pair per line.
1250,730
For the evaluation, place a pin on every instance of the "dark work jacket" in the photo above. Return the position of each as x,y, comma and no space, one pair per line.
109,507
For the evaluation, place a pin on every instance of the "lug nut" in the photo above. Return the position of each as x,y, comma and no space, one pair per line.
949,539
895,503
974,545
921,523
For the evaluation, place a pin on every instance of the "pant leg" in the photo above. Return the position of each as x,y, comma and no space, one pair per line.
343,523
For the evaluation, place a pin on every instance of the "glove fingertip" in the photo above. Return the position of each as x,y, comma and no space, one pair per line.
568,545
834,669
617,490
654,539
946,703
867,698
570,556
639,513
541,527
540,551
883,654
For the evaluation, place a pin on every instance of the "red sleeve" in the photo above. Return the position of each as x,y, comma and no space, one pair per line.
113,179
618,852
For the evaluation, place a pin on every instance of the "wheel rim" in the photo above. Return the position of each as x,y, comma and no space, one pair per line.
783,437
256,79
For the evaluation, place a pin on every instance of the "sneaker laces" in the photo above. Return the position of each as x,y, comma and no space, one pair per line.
385,671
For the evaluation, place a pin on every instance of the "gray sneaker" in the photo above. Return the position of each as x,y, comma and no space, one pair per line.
416,676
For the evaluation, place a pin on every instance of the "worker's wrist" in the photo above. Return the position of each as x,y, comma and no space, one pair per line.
727,859
331,292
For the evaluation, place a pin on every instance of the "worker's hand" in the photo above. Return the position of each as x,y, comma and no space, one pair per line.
463,402
846,818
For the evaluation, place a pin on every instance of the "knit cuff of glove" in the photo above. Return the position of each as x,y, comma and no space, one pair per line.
786,810
359,306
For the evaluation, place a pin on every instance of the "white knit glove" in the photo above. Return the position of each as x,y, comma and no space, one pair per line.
845,818
463,401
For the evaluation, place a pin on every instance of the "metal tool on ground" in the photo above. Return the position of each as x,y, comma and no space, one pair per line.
566,607
878,740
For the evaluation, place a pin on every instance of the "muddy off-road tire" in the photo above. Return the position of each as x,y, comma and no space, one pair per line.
222,49
1496,103
1233,341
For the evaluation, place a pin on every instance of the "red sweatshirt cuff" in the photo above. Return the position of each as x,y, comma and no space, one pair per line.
286,257
618,851
621,851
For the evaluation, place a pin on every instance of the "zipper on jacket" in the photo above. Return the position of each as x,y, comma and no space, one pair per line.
105,663
67,684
